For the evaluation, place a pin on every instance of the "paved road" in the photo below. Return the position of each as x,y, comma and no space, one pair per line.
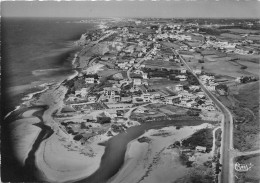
227,132
139,63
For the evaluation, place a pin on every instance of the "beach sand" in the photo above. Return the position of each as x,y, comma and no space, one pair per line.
24,134
60,160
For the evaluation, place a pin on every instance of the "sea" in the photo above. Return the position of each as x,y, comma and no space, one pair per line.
36,51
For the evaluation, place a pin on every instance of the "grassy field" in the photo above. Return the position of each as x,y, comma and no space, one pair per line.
253,174
222,66
243,31
168,109
160,64
243,101
107,72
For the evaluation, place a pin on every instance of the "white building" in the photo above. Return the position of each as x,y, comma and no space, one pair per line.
191,104
137,81
179,87
172,99
201,149
92,98
145,75
183,71
182,77
146,97
89,80
197,71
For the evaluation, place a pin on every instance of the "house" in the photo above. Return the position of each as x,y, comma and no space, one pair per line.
192,158
112,93
104,58
238,79
155,95
183,71
132,61
191,104
210,108
145,75
172,99
90,80
137,71
120,112
141,110
71,99
197,71
137,81
176,99
83,92
146,97
182,77
122,65
126,99
201,148
212,87
88,118
194,87
92,98
137,99
145,83
178,87
177,60
124,81
110,113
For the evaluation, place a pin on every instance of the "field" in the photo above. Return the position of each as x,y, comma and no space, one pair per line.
222,66
160,64
243,101
253,174
107,72
160,110
160,84
143,30
243,31
172,45
213,58
254,37
168,109
233,36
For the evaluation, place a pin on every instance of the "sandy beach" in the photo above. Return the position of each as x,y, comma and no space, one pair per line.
24,134
76,162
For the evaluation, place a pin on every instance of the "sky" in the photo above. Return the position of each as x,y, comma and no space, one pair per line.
134,9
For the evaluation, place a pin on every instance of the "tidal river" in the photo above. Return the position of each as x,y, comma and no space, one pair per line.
113,158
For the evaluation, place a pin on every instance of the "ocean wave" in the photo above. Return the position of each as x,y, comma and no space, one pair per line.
42,72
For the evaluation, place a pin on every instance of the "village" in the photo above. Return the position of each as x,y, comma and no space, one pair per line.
164,94
134,78
135,74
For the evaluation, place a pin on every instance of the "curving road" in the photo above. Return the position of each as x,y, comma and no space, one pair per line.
139,63
227,132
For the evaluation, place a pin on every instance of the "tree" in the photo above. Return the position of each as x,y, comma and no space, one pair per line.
103,120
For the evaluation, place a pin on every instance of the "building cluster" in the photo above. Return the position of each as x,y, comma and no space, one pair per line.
238,47
135,52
